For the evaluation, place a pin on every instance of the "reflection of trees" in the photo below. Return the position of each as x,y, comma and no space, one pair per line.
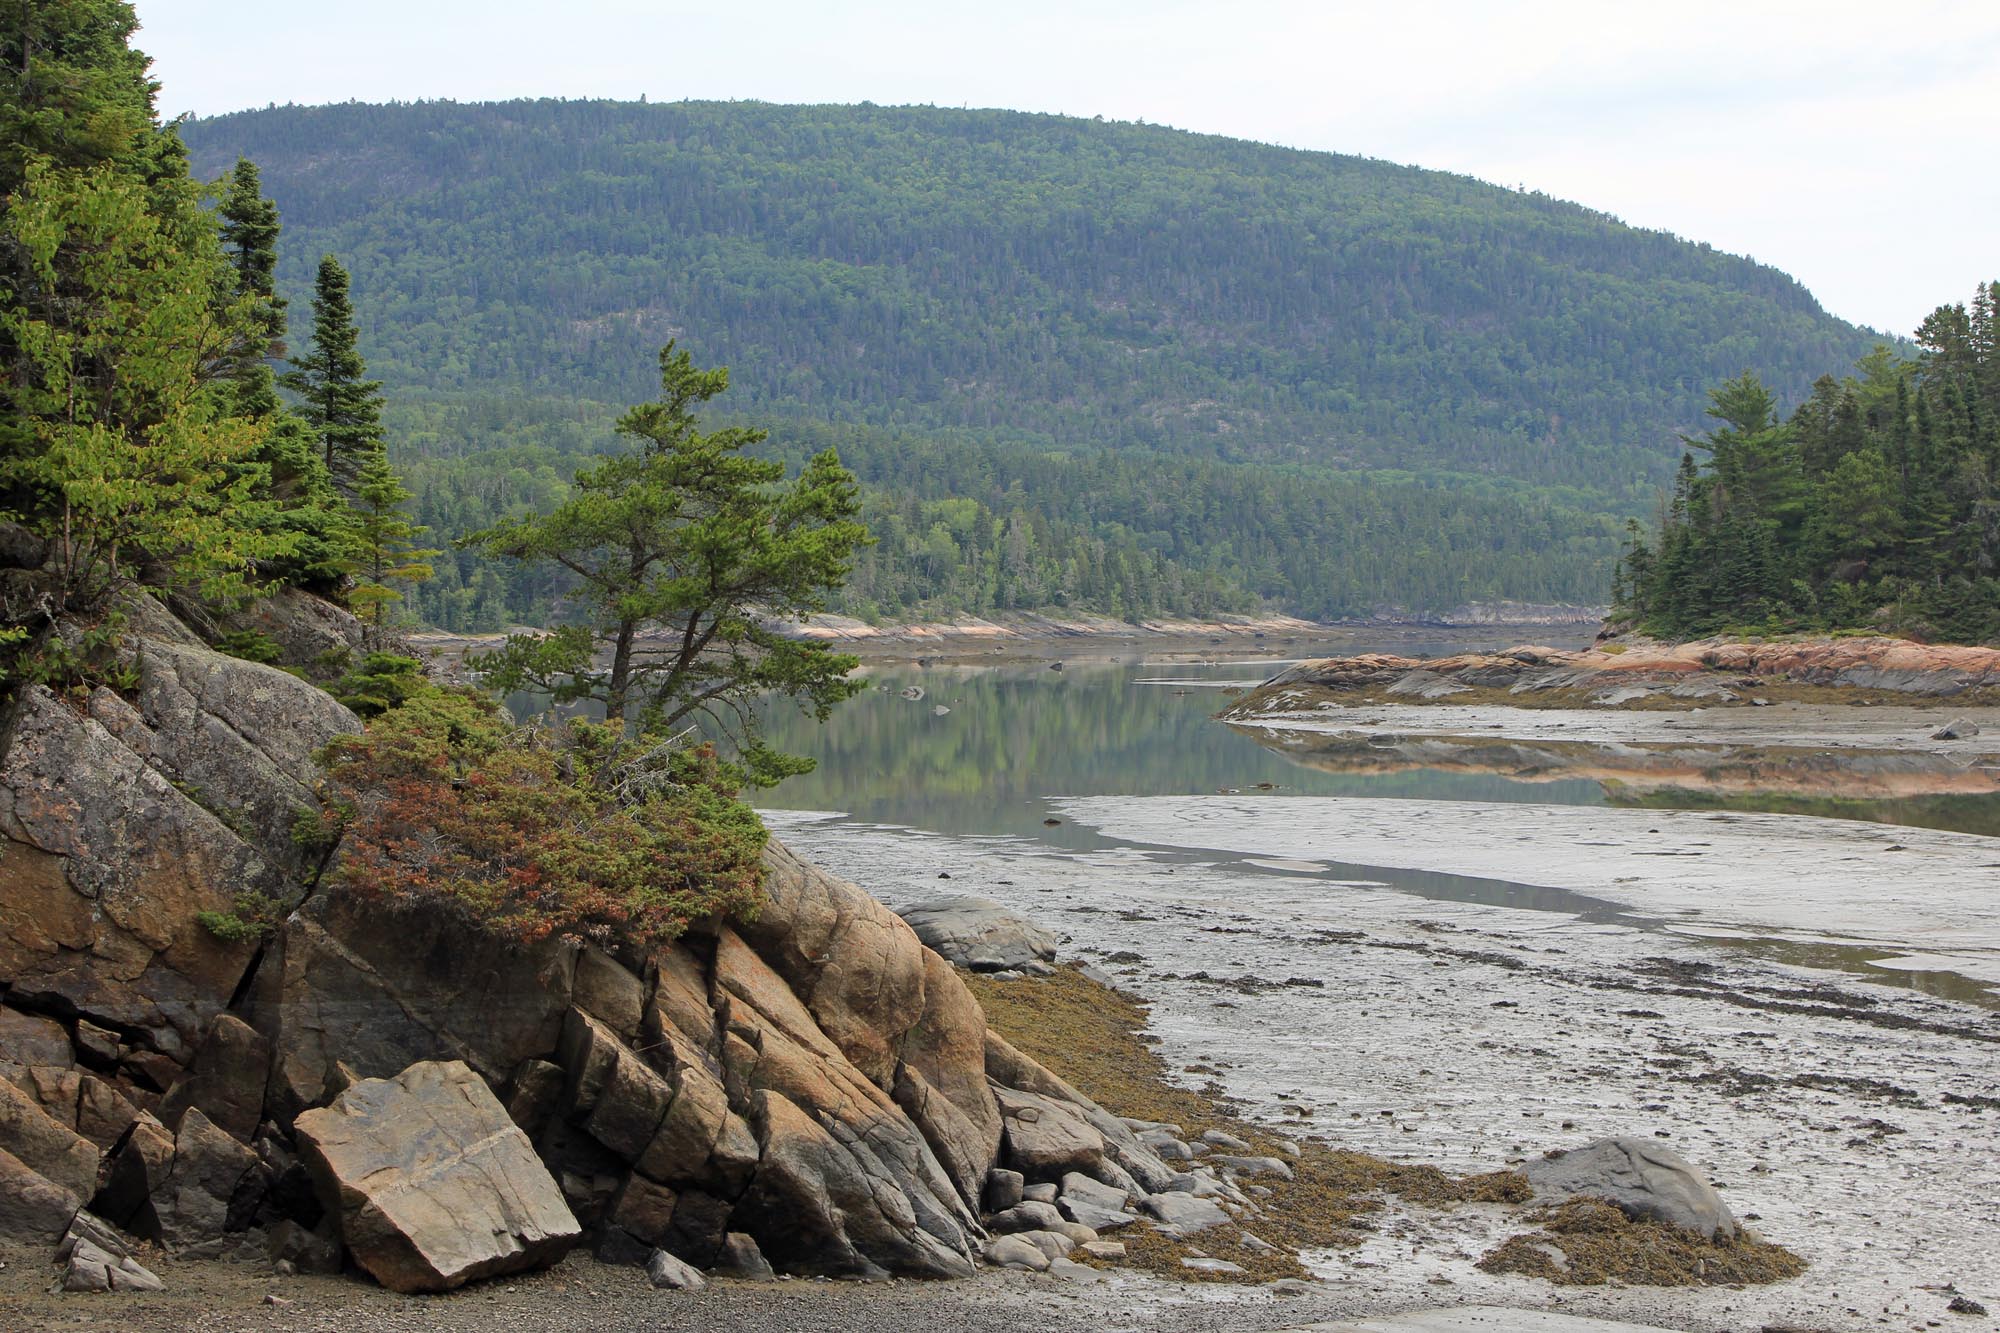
1018,734
1957,813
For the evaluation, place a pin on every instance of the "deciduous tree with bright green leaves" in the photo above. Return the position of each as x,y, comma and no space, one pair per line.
684,552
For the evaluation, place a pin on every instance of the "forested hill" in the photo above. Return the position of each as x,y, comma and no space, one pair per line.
1054,281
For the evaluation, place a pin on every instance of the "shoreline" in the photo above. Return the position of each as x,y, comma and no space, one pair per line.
1040,638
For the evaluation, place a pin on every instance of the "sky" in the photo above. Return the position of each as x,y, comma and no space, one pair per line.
1853,145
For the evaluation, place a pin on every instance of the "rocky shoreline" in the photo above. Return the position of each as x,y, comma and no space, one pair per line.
391,1090
1641,674
1031,635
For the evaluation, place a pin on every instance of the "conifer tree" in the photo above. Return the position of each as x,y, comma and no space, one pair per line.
336,399
384,544
250,232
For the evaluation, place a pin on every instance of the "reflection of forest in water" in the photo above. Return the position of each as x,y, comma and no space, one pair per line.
1016,734
1019,733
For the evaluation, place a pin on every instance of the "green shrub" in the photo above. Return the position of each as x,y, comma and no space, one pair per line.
381,682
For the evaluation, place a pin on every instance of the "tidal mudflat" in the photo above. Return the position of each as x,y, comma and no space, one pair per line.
1852,1120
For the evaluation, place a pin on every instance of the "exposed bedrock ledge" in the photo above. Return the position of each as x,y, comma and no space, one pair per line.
1708,670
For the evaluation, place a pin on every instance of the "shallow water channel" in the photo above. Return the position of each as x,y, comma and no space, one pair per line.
990,751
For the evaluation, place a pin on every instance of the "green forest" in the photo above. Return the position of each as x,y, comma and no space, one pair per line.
1075,364
1874,505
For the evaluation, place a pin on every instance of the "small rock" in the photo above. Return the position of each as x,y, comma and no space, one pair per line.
1016,1252
1003,1189
1072,1271
1965,1304
1958,729
1211,1266
1040,1193
1183,1215
671,1274
1216,1138
1645,1180
1256,1166
1028,1216
1053,1244
1079,1188
1110,1251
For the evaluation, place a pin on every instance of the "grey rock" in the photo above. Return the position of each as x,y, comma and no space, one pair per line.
210,1192
1079,1188
436,1186
1110,1251
1207,1265
1053,1244
1045,1138
979,934
1003,1189
666,1272
1028,1216
1165,1144
1071,1271
90,1267
1040,1192
1255,1166
1016,1252
1957,729
1216,1138
1095,1217
1646,1181
1183,1215
1076,1231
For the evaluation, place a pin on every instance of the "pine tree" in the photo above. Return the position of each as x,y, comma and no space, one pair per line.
384,549
334,397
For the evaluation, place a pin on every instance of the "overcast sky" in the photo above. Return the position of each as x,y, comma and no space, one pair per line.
1855,145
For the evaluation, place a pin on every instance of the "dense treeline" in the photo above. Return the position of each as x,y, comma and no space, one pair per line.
967,526
1875,504
1040,279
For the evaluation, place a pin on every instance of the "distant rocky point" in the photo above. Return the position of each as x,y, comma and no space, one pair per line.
1637,673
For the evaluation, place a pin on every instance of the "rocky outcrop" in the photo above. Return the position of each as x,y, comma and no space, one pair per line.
1712,670
980,935
1644,1180
433,1185
810,1089
123,817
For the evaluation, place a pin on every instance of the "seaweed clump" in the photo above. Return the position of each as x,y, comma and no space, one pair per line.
1588,1242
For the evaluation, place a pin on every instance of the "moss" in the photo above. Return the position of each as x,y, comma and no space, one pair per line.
1586,1242
1093,1036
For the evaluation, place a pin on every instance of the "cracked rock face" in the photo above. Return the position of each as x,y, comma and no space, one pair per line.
124,817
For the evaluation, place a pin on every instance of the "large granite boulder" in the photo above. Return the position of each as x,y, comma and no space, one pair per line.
1646,1181
980,935
433,1185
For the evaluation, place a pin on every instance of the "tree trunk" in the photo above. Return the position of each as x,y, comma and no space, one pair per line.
621,672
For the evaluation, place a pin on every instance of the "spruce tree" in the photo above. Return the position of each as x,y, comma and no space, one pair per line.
250,234
384,544
336,399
